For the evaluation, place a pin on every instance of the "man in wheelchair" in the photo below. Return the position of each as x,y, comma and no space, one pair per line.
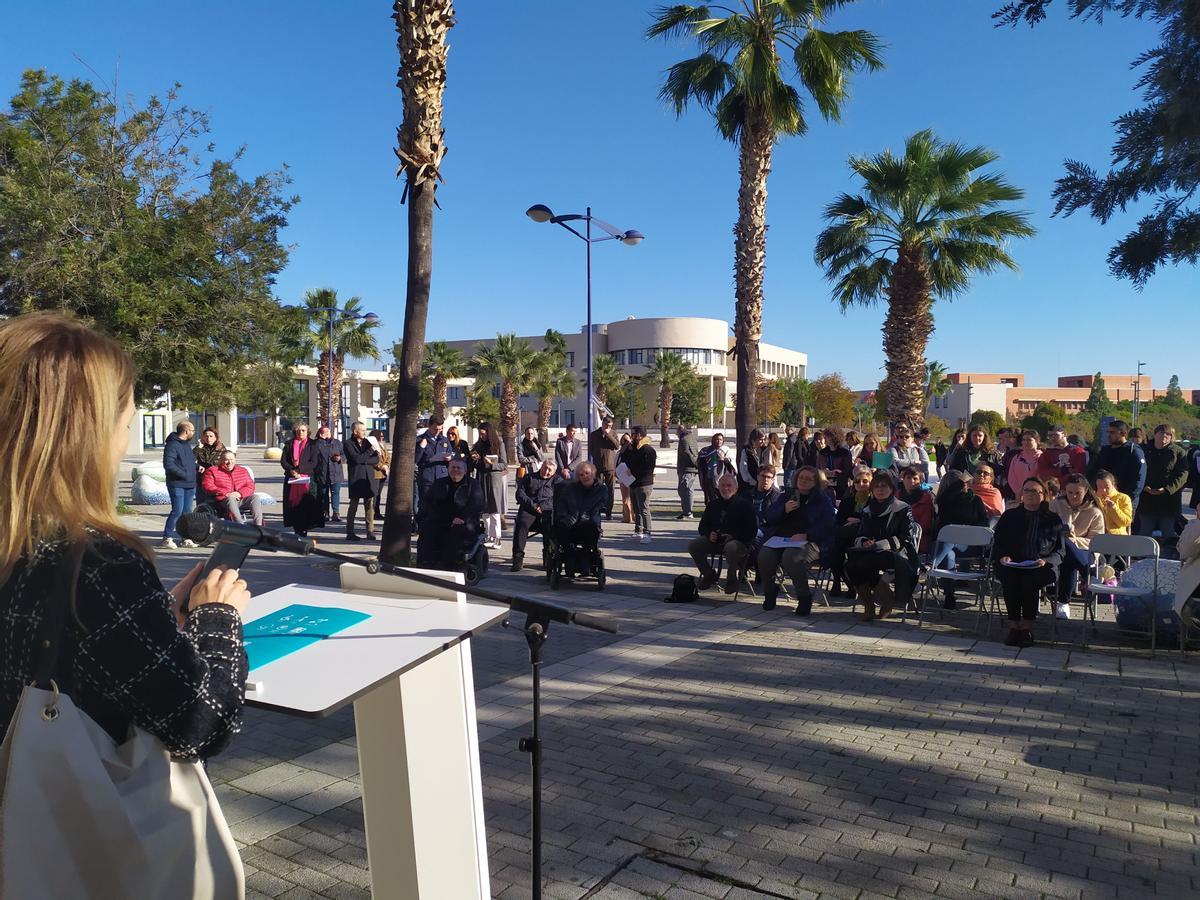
229,490
535,499
449,519
577,509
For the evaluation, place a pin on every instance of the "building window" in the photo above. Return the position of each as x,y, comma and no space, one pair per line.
496,391
569,415
570,359
651,355
454,396
379,423
618,357
252,428
376,395
202,420
153,431
636,357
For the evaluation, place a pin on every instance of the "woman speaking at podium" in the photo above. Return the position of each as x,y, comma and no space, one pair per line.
111,687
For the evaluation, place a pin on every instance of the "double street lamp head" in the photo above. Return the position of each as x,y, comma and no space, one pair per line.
540,213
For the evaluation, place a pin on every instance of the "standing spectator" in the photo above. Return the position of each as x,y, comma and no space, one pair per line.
1162,494
983,485
804,515
330,474
535,507
853,444
1074,440
727,528
795,451
687,468
383,467
641,458
460,449
1026,463
916,492
957,504
907,452
568,453
835,461
432,454
208,452
815,447
1008,445
623,449
775,451
1138,436
1059,458
361,459
530,454
491,462
1193,482
1031,536
884,542
1083,519
942,452
1124,459
603,446
747,461
713,462
179,461
1117,507
232,489
302,511
976,449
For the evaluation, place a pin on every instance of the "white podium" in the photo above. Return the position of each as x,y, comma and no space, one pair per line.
407,670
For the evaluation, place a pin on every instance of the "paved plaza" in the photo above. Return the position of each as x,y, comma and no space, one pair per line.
714,750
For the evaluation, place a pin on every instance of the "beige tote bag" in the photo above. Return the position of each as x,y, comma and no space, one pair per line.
84,817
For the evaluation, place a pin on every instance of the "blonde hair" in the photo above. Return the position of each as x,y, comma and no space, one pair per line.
62,389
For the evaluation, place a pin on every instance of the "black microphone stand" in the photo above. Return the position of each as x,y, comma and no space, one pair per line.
538,616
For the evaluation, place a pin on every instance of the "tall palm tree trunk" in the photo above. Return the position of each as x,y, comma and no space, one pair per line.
543,416
324,415
510,416
665,401
439,395
421,26
750,254
906,331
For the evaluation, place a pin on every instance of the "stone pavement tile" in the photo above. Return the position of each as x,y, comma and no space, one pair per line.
265,824
617,892
338,759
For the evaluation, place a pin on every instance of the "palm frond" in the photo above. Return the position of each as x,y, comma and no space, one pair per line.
863,285
676,21
703,78
824,61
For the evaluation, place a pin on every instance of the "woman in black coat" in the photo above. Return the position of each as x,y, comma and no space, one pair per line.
1029,533
491,462
885,542
302,508
361,458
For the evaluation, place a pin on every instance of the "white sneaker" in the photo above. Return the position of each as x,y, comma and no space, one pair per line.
191,545
645,538
1062,610
168,544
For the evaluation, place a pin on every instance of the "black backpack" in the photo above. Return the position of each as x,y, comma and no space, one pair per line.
684,590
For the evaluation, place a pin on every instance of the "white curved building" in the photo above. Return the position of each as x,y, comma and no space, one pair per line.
635,343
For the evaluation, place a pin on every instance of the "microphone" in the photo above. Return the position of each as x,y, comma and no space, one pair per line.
204,529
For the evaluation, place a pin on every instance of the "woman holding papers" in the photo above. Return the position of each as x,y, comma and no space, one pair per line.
884,543
301,456
800,526
1029,550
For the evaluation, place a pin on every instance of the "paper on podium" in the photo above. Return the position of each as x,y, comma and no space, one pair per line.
400,633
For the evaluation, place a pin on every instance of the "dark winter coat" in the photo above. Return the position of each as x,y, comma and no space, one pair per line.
795,451
529,454
179,461
576,503
302,510
1165,468
1127,463
733,518
1023,536
959,505
961,461
447,501
361,459
687,454
603,448
491,476
813,517
430,458
533,491
839,459
641,461
892,527
326,451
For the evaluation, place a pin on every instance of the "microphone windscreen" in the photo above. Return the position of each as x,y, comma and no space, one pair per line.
196,527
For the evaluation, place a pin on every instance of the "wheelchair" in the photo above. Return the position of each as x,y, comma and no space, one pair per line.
571,561
472,561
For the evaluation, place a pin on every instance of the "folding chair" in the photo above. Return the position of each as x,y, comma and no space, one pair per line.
968,536
916,539
1129,546
717,562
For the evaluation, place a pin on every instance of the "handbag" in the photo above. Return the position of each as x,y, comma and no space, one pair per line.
82,816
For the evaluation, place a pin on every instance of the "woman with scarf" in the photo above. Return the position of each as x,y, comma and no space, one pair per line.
302,509
1028,549
884,542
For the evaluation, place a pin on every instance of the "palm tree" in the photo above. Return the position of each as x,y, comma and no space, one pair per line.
514,363
607,378
421,29
669,374
740,77
936,382
928,222
351,337
441,363
553,380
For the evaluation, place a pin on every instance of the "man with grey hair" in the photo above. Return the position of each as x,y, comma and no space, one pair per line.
232,488
727,529
535,507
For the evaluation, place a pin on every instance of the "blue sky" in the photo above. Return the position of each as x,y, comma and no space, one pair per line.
555,101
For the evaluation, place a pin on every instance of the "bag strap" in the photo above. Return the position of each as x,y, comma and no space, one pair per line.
48,638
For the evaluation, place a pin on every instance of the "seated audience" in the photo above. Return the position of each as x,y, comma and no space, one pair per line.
1028,533
1083,519
577,512
835,460
957,504
232,489
975,449
1025,463
727,528
763,497
849,515
918,494
747,460
1117,507
450,516
907,452
884,543
870,446
984,487
535,507
804,516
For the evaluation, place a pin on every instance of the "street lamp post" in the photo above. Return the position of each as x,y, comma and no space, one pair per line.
541,213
